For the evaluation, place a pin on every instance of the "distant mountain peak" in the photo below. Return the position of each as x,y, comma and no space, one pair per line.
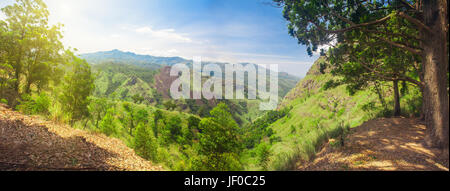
119,56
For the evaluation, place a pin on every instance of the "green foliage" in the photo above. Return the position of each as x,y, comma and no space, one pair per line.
188,136
125,82
34,104
78,86
157,115
133,116
203,111
170,105
322,68
97,109
263,153
137,98
32,52
293,129
193,122
145,143
256,131
173,124
330,84
107,124
387,49
7,79
219,144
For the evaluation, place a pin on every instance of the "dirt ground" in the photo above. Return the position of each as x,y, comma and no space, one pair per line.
30,143
387,144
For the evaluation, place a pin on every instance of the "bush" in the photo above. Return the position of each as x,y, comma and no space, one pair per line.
107,125
144,143
330,85
173,124
34,105
3,101
263,153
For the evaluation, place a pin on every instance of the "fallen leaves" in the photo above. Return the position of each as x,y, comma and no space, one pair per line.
31,143
381,144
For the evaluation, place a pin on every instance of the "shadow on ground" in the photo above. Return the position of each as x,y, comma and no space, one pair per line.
25,147
381,144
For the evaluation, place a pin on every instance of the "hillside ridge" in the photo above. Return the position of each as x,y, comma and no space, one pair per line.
30,143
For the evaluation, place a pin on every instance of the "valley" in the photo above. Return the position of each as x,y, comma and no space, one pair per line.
373,92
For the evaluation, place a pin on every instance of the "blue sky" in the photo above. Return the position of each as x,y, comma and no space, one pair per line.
217,30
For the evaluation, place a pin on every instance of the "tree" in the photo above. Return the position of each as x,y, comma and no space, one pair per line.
107,125
193,122
141,116
169,105
34,47
203,111
137,98
173,124
362,65
263,153
97,109
130,118
145,143
316,22
157,115
219,142
78,86
7,79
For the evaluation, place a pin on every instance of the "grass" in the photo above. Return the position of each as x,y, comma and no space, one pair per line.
318,115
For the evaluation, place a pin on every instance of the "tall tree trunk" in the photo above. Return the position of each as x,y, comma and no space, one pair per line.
423,106
435,64
96,120
397,110
380,95
28,87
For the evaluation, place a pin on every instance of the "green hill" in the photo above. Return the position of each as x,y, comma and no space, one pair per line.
319,108
146,66
122,75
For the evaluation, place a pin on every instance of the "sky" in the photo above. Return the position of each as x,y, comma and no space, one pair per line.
233,31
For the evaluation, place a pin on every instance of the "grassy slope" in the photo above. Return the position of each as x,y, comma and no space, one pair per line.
316,114
314,117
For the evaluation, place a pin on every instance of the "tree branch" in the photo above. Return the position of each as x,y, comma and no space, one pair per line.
352,26
383,76
415,21
407,4
402,46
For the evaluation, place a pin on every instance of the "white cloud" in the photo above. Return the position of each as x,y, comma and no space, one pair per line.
325,47
163,34
115,36
90,29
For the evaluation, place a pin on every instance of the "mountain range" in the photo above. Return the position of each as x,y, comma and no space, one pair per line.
126,75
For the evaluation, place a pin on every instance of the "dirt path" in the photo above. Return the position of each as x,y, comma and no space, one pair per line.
381,144
30,143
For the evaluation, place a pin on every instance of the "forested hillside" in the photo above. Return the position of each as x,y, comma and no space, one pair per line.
149,65
146,79
112,110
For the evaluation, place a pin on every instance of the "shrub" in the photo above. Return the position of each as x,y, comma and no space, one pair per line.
144,143
107,125
263,153
3,101
34,105
173,124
